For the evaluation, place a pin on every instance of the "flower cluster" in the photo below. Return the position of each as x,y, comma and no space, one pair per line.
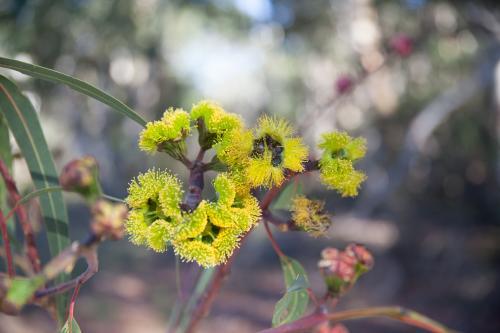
167,134
207,235
208,231
340,151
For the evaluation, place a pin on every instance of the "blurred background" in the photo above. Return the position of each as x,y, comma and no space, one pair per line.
418,79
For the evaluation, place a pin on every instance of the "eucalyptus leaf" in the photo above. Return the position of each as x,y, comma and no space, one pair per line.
284,200
25,126
74,83
295,301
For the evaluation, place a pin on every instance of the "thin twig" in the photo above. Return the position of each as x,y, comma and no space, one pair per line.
88,250
406,316
275,245
32,250
333,101
281,224
72,307
6,243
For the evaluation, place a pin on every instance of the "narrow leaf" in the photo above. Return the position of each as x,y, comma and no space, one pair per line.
37,193
25,126
70,327
6,157
294,303
75,84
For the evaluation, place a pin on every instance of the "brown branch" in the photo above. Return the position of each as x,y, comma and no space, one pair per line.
196,183
406,316
6,244
32,250
67,258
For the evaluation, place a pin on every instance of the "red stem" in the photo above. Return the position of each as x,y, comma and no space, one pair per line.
275,245
72,306
32,250
6,243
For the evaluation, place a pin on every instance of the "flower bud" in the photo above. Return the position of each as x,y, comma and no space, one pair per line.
363,256
402,45
108,219
344,84
341,269
81,176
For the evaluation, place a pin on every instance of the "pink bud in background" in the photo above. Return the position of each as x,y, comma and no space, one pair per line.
402,44
339,328
344,84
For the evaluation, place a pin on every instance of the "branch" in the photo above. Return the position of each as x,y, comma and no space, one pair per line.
67,258
275,245
281,224
32,250
406,316
6,243
196,183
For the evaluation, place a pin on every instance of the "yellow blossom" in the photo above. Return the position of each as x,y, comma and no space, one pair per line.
154,198
340,151
274,151
309,215
166,134
196,250
212,122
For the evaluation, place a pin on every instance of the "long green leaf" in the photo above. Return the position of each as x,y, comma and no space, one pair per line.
76,84
294,303
6,157
24,124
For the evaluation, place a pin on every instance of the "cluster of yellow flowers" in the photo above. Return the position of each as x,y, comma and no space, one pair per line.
209,233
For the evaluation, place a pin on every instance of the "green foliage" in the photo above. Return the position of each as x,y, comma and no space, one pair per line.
286,196
78,85
24,124
22,289
70,327
294,303
6,157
